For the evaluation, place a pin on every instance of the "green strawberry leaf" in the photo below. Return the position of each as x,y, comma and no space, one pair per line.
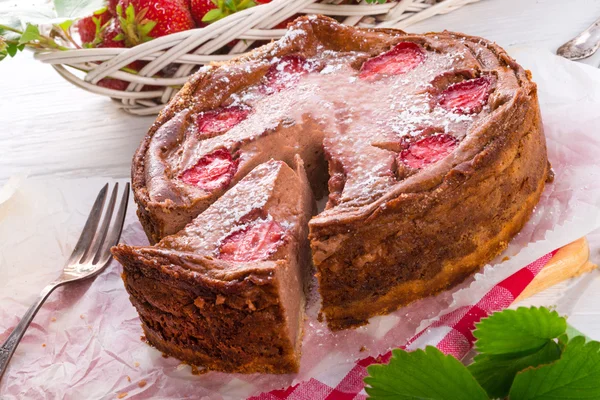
231,4
31,34
244,4
422,374
145,29
576,375
570,334
522,331
66,25
212,16
496,373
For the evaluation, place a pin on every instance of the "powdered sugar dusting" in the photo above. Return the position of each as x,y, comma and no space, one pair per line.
363,122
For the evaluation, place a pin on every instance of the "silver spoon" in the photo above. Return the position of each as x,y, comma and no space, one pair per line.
583,45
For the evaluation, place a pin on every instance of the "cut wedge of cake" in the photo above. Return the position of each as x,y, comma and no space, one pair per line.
227,292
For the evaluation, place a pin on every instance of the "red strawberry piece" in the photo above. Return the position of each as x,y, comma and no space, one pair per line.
404,57
466,97
221,120
253,243
263,1
286,72
199,8
111,83
111,35
89,27
153,18
428,150
213,171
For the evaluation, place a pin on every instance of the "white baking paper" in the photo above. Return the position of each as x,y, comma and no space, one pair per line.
85,342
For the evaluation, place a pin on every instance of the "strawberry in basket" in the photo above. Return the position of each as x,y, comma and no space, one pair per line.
142,20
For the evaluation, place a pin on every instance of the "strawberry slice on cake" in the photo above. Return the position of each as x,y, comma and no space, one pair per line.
428,150
213,171
466,97
404,57
215,122
286,73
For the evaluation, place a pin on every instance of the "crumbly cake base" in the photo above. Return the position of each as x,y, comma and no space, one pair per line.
229,321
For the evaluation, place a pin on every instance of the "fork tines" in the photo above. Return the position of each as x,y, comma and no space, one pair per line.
93,246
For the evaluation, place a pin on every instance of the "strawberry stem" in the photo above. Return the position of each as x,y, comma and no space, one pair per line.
11,29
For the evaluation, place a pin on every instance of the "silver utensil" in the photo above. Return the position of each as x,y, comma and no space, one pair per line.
583,45
90,256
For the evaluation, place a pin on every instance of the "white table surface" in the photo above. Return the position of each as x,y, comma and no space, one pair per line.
50,128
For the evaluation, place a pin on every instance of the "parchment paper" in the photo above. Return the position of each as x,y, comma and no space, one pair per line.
85,342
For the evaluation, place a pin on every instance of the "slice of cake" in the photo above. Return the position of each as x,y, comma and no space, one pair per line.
227,292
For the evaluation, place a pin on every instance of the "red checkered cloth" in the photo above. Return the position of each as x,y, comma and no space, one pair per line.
451,333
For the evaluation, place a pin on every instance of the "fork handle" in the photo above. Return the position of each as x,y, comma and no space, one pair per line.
8,348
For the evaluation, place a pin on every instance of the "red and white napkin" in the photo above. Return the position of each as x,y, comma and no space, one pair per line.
451,333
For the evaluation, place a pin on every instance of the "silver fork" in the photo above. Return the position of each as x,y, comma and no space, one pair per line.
90,256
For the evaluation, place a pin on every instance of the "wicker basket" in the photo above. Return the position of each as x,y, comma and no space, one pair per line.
191,49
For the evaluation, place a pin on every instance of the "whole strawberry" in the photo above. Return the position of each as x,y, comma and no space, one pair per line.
114,84
89,28
199,8
112,35
143,20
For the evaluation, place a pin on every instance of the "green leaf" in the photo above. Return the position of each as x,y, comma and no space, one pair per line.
244,4
12,49
212,15
422,374
146,28
31,33
496,373
68,23
231,4
570,334
576,375
522,331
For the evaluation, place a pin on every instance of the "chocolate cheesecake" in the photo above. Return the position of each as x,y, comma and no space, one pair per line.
430,148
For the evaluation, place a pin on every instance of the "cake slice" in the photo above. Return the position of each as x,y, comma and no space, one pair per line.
227,292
